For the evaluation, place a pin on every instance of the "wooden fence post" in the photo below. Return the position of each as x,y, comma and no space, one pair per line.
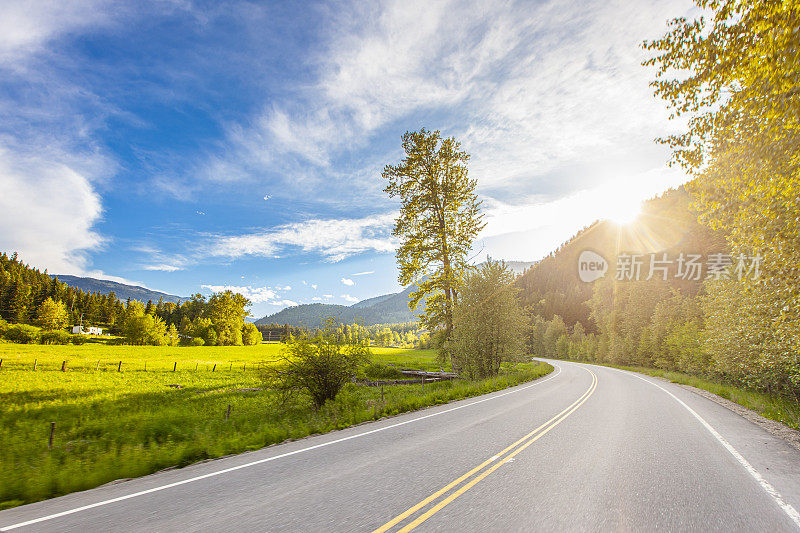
228,412
52,432
34,363
195,366
119,368
214,367
64,366
175,366
97,366
381,391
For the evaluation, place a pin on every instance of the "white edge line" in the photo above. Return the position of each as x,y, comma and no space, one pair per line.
268,459
768,488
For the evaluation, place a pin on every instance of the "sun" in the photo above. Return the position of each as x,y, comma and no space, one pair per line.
624,213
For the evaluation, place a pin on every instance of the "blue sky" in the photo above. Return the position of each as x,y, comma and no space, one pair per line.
193,146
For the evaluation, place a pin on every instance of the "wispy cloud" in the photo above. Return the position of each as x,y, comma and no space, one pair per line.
334,239
27,25
348,298
363,273
162,268
547,99
257,295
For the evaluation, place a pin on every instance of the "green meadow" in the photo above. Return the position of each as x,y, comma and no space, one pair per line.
168,406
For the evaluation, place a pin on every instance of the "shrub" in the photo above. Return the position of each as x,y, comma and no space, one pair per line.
22,333
79,339
197,341
54,337
318,365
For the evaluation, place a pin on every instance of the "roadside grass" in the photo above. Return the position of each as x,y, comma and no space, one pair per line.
112,425
769,406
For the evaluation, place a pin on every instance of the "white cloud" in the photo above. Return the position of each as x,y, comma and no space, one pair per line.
257,295
314,286
316,299
26,25
348,298
164,268
363,273
541,94
47,213
540,227
347,281
327,296
335,239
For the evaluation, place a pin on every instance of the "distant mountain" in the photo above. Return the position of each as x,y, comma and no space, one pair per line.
123,291
384,309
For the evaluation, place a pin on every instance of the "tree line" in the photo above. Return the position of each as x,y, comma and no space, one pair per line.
37,308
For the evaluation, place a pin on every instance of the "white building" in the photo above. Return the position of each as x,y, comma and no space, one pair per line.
90,330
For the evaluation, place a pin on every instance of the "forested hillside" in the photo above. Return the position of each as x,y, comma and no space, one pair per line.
667,225
738,319
121,290
23,290
30,298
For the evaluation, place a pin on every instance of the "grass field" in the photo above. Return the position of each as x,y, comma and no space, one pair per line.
113,424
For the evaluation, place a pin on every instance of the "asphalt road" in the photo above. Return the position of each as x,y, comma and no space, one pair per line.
585,448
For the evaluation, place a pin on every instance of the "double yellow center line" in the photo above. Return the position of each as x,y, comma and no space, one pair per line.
496,462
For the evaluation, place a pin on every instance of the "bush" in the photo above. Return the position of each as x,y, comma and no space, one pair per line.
197,341
318,366
22,333
54,337
79,339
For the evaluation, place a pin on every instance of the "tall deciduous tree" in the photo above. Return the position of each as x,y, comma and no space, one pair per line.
439,219
489,322
227,310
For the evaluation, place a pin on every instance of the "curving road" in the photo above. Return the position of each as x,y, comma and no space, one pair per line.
585,448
